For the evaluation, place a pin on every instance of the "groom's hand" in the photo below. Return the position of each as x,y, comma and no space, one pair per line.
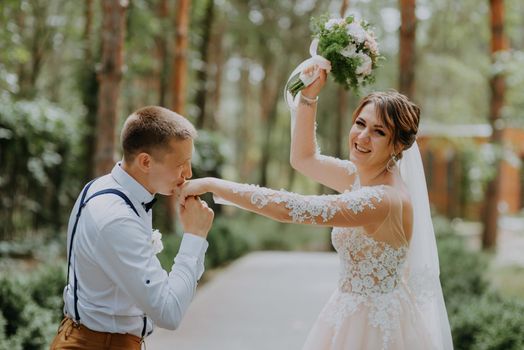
196,217
192,188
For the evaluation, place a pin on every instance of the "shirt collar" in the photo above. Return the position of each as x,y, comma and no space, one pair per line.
135,189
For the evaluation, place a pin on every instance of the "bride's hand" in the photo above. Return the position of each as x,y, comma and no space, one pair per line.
194,188
313,90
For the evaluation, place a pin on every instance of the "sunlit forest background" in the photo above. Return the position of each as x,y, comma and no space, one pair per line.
72,71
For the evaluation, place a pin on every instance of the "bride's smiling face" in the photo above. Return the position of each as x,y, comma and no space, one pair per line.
369,139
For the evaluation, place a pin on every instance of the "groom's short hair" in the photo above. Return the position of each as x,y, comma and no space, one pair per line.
150,129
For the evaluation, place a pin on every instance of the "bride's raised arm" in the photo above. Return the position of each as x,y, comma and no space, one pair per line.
358,208
305,155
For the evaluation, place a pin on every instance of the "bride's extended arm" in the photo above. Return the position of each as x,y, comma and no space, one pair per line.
305,155
365,206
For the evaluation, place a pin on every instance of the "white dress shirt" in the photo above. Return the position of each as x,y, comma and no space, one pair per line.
119,277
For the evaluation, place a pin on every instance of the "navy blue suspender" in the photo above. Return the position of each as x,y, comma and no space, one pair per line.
83,202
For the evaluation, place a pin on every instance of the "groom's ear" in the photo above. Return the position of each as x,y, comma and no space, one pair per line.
143,161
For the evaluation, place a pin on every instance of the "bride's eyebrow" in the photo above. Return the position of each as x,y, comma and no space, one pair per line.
377,126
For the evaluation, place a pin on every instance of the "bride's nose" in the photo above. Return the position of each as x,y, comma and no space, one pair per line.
363,135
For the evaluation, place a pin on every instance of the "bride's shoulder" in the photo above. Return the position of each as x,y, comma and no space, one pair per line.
398,195
384,192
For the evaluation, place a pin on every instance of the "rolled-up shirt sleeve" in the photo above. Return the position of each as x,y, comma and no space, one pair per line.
126,255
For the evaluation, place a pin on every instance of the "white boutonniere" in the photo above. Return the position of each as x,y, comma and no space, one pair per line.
156,241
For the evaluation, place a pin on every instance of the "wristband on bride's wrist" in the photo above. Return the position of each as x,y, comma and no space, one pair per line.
308,101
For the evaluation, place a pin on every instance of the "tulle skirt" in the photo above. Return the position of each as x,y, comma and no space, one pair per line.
382,322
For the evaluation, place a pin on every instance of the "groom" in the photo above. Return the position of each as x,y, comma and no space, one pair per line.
117,290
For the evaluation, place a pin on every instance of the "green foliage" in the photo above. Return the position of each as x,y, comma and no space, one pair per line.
224,244
489,322
12,303
36,139
29,308
479,168
510,65
479,317
439,102
262,233
47,287
461,271
171,244
209,156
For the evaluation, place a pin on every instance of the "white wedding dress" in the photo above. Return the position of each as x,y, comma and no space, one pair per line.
388,295
373,307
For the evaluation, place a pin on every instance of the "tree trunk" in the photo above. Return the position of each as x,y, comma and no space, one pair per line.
162,45
88,49
109,77
344,7
34,20
202,93
217,57
179,81
89,89
407,48
179,72
269,100
497,86
40,42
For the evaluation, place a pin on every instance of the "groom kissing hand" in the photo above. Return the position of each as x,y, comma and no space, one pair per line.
116,289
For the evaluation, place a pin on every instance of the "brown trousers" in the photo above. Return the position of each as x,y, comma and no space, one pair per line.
78,337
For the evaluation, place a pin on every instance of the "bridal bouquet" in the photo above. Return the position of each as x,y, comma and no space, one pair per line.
346,46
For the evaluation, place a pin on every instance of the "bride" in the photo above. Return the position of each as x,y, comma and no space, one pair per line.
389,294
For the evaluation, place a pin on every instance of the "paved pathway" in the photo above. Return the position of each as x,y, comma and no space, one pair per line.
265,300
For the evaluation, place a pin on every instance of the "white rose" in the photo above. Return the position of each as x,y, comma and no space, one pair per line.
349,51
357,32
365,64
331,23
156,241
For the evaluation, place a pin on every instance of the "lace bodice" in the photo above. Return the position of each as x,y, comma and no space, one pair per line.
371,270
367,267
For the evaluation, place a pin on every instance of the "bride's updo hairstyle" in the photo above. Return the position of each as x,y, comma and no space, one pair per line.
399,115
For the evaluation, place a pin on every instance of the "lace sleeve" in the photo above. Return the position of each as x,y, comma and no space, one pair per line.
357,208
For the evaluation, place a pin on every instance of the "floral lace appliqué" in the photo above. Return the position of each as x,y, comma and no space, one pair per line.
370,275
308,208
383,311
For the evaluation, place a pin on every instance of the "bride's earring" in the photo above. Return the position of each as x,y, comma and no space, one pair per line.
392,163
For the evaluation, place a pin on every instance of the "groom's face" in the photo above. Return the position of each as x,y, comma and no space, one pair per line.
173,168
